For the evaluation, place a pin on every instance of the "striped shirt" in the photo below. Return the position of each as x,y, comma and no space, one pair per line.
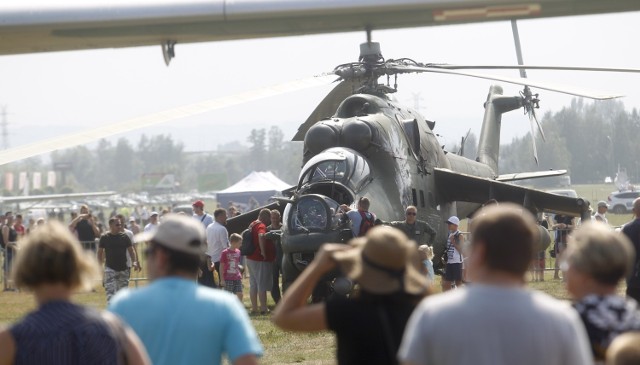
60,332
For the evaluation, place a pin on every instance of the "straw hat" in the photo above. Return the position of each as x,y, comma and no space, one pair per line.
383,262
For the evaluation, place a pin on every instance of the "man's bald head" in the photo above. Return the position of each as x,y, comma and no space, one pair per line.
636,207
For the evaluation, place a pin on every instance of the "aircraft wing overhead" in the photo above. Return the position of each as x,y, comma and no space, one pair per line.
454,186
31,198
42,26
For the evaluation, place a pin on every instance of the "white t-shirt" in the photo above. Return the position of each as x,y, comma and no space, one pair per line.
150,227
602,218
453,255
217,240
486,324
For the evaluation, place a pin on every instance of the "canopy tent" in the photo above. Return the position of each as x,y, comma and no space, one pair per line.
259,185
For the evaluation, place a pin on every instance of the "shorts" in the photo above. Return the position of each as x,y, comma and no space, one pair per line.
260,275
453,272
541,264
233,286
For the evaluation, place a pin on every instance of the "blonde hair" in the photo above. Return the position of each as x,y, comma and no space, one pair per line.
51,254
426,251
601,253
624,349
235,237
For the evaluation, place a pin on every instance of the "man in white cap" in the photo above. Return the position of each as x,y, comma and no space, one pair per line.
453,252
603,207
497,320
153,222
179,321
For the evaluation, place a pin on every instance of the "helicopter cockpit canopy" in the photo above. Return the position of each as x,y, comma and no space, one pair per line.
333,170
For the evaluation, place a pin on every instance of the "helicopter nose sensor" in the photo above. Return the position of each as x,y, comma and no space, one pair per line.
356,134
320,137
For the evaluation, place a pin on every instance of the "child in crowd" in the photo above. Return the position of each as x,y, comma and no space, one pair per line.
230,266
426,255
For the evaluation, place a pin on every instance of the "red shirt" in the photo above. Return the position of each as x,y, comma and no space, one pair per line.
270,248
19,229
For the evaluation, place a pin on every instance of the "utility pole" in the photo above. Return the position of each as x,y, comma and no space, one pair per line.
417,98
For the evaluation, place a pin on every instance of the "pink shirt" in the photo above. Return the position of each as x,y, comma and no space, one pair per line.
231,259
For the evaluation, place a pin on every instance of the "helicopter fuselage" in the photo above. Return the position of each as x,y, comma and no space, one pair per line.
373,148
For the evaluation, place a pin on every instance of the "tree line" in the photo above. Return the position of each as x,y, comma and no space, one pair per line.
121,165
590,140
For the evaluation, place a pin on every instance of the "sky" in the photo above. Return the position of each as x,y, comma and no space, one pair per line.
50,94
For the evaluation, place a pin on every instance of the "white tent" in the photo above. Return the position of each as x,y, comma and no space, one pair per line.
259,185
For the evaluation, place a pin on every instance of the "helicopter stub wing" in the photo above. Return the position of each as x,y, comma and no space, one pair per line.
241,222
455,186
530,175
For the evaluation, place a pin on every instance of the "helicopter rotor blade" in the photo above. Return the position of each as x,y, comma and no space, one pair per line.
535,117
533,138
516,40
533,67
91,135
517,81
326,108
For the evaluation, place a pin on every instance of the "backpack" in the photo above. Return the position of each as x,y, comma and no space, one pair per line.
247,248
366,224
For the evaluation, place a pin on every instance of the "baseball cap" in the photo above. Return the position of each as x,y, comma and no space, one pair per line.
153,213
603,203
132,219
177,232
198,203
453,220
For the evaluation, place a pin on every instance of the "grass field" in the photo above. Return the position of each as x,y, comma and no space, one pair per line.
280,347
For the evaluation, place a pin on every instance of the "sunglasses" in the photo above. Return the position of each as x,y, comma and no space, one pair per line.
411,213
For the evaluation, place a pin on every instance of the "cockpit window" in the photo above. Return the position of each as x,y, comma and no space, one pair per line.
337,164
329,170
315,213
310,215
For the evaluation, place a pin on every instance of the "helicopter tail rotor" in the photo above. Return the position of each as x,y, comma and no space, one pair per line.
530,101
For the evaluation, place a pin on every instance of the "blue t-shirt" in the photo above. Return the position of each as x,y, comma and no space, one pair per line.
181,322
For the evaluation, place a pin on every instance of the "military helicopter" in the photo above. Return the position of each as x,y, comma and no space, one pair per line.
373,146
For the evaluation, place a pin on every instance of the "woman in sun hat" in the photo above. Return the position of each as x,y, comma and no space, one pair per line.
368,326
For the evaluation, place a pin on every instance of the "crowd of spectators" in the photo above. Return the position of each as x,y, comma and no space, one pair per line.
394,314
